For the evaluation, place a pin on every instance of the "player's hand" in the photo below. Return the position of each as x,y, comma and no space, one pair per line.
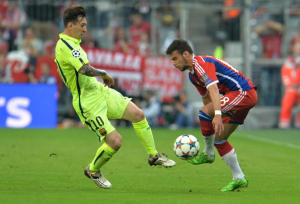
108,80
217,123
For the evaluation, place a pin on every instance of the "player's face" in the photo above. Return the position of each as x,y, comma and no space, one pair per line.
179,61
79,28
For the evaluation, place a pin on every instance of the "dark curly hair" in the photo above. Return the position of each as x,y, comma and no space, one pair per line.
72,14
180,45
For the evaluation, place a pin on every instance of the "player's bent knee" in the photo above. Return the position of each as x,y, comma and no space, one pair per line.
138,115
114,141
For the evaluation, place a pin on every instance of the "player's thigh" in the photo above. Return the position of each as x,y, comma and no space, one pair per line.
98,122
238,100
237,104
116,104
228,130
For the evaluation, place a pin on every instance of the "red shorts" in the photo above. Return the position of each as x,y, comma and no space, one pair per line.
237,104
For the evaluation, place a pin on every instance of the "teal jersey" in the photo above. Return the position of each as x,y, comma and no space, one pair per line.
87,91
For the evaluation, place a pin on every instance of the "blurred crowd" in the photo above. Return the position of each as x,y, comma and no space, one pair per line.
27,33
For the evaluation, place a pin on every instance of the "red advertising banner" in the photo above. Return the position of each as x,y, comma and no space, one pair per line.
159,74
126,68
134,73
118,61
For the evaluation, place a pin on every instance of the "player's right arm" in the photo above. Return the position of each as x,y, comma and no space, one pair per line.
91,71
217,121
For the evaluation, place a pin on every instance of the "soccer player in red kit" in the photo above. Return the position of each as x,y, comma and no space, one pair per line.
290,74
221,114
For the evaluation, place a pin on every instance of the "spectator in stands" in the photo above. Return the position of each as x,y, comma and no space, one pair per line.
46,77
231,17
290,73
144,47
167,21
5,76
144,10
3,41
271,33
184,116
12,20
121,41
139,26
49,46
172,35
32,46
294,40
153,109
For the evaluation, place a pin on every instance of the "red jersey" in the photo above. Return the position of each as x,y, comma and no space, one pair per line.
135,31
271,46
209,70
290,72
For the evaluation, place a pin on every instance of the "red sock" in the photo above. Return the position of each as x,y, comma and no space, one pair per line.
223,148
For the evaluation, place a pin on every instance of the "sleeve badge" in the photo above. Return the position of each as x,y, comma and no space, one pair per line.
76,53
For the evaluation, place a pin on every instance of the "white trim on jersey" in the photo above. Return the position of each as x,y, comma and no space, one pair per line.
199,68
236,101
214,82
202,58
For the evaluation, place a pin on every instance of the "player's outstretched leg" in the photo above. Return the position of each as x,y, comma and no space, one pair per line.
144,132
229,156
208,155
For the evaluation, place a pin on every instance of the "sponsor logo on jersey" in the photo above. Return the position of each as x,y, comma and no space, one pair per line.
103,132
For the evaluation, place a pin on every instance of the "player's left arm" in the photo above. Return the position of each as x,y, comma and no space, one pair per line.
88,70
215,99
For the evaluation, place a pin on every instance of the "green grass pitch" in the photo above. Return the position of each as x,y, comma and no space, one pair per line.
28,174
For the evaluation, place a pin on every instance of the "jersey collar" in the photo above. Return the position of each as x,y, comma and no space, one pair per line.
193,65
64,36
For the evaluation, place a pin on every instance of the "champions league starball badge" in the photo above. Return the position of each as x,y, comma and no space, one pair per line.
205,77
76,53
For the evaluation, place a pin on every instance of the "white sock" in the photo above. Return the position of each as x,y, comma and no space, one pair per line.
231,160
209,146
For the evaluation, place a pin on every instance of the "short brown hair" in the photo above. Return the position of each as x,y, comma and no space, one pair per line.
72,14
180,45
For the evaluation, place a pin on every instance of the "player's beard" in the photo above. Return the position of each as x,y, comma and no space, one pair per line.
185,67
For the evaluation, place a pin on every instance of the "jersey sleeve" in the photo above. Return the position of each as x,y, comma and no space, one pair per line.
76,57
207,72
201,89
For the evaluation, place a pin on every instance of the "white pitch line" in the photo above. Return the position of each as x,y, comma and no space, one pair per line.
252,137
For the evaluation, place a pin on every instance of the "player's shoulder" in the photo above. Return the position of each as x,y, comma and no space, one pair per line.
68,44
198,59
204,58
63,44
